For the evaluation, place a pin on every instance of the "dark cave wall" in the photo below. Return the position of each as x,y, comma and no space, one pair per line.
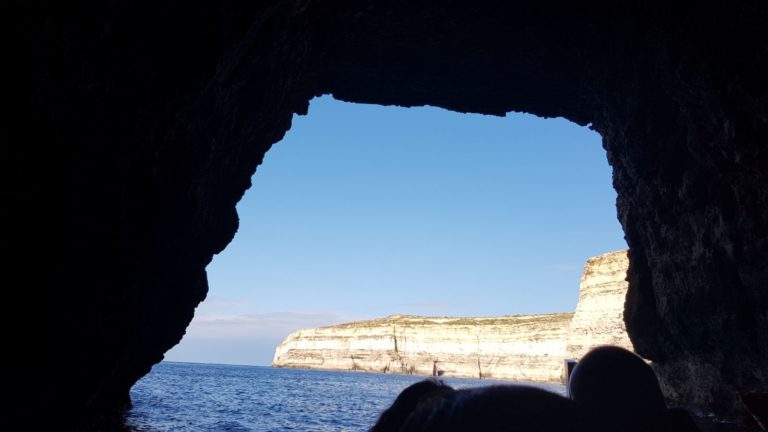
690,163
679,96
129,133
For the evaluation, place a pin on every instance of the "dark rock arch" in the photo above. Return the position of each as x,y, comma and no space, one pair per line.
129,133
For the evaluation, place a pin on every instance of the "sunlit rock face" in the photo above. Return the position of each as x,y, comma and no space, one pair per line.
527,348
128,134
523,348
599,316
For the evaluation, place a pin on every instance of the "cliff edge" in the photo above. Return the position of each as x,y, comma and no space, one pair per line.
529,348
520,347
599,316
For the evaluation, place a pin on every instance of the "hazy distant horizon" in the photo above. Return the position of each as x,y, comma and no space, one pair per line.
365,211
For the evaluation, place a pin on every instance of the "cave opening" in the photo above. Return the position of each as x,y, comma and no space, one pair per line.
365,211
130,134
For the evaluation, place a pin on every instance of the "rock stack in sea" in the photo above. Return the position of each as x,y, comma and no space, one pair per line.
522,347
599,316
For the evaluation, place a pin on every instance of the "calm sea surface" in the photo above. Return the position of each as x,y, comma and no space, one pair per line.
206,397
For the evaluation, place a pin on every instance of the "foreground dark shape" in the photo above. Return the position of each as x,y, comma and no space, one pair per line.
611,390
129,133
757,405
494,408
620,389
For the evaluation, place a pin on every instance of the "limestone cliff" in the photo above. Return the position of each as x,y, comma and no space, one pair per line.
599,317
524,347
529,348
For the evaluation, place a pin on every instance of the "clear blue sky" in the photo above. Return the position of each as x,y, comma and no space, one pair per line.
363,211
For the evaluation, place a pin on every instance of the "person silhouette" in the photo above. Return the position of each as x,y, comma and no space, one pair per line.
610,389
429,407
393,418
620,389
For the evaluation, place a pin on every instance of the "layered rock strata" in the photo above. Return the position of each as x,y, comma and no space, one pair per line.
523,348
599,316
527,348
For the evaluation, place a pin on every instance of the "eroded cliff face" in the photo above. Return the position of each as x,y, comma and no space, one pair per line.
526,348
599,316
129,132
522,348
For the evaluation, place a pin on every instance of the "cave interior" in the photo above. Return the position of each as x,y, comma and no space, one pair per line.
130,132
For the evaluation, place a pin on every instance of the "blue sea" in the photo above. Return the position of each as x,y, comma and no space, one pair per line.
207,397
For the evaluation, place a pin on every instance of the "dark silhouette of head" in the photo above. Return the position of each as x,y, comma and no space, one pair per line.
611,389
615,379
500,408
431,407
392,418
620,388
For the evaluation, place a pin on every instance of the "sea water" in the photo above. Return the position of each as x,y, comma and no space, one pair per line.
207,397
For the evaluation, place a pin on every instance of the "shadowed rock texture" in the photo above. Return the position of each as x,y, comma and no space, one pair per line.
129,132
